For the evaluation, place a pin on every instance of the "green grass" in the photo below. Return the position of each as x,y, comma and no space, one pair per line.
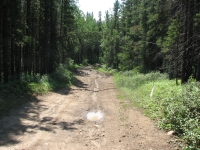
105,69
140,96
102,70
174,107
40,88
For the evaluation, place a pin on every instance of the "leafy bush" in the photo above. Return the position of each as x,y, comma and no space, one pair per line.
182,114
11,95
62,74
59,79
85,62
70,65
40,88
14,88
30,78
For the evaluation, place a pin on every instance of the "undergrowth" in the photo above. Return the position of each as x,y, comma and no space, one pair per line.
13,93
174,107
105,69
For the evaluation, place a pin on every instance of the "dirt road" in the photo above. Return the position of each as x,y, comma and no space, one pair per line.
60,121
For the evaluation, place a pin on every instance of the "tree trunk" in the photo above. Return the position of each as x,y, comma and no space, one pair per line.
5,42
184,58
1,57
12,59
18,61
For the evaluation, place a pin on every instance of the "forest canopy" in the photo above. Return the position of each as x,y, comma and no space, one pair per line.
145,35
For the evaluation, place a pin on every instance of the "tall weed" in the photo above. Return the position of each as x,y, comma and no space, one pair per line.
133,80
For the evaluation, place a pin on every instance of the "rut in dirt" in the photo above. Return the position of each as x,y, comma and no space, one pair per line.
85,116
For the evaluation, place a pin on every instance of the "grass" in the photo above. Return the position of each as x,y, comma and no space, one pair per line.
174,107
105,69
140,96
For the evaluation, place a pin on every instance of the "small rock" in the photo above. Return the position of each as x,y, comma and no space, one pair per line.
97,126
170,133
120,141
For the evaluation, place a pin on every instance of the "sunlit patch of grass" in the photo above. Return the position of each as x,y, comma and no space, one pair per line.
40,88
102,70
162,90
105,69
139,93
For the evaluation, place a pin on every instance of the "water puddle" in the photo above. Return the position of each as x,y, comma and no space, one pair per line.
95,116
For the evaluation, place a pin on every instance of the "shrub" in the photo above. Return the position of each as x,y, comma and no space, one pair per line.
40,88
85,62
62,74
182,114
13,88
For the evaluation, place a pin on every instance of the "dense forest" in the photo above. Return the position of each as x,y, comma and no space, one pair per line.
159,35
36,36
162,35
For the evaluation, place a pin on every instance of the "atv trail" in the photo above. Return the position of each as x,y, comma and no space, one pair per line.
59,120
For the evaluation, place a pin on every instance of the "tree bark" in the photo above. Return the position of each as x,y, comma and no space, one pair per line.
5,42
184,58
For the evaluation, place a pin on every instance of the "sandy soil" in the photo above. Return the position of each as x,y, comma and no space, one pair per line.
57,121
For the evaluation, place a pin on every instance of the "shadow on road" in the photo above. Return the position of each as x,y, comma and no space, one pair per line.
26,119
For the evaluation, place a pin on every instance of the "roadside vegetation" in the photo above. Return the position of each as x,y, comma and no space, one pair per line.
104,69
17,92
175,107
